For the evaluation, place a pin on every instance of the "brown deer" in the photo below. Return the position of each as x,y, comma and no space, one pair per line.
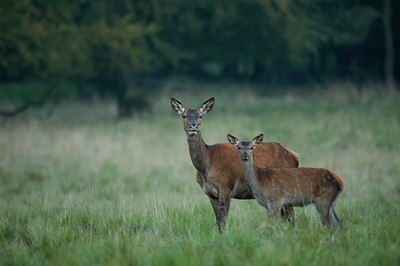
219,171
297,187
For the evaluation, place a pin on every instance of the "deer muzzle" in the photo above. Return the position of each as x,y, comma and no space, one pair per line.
245,156
192,129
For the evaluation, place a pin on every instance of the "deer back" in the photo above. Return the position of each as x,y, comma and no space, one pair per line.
275,155
297,181
225,165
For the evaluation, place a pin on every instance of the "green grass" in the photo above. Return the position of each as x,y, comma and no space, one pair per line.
80,188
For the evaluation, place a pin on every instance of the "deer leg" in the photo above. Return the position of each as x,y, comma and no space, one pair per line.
323,210
274,210
288,213
221,208
215,205
334,220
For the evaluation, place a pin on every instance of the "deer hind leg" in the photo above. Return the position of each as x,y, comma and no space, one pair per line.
325,206
323,209
333,218
288,213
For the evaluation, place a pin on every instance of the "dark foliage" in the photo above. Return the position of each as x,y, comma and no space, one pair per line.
113,44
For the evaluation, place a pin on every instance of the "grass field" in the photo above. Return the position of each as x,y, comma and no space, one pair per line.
80,188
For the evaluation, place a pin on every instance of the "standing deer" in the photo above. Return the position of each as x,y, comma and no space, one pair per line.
297,187
219,171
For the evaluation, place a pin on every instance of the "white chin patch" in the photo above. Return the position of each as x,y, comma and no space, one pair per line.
192,132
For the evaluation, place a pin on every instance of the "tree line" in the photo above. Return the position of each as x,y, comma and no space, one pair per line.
113,45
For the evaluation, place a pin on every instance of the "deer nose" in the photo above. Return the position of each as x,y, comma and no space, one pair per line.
193,126
244,156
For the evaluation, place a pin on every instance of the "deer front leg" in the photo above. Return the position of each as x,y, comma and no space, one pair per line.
221,209
274,210
287,213
215,205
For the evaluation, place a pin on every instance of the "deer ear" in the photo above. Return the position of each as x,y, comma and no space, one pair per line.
177,106
258,139
207,106
232,140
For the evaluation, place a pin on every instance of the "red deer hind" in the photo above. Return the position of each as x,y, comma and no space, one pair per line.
277,187
219,171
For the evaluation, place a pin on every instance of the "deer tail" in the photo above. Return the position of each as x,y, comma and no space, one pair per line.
339,181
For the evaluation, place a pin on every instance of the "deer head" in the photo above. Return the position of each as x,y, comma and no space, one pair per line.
192,117
245,147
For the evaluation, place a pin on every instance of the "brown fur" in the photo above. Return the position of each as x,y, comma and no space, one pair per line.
339,180
279,183
219,170
296,187
225,167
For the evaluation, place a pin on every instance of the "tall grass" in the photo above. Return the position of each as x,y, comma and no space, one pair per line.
80,188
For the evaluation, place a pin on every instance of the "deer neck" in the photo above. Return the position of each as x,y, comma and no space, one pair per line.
198,152
250,174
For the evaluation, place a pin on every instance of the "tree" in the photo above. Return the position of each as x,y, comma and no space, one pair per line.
27,52
55,41
389,50
114,44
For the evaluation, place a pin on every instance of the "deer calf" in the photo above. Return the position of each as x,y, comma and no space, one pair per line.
297,187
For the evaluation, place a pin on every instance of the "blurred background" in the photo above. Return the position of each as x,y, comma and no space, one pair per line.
128,50
94,164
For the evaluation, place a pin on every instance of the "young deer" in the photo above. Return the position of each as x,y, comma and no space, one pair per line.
297,187
219,171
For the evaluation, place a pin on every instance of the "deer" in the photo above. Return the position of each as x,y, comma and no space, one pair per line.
218,168
276,187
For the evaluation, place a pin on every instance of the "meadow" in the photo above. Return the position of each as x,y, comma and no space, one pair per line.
81,188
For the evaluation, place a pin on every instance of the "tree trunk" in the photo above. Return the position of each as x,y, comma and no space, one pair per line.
28,104
121,93
389,49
